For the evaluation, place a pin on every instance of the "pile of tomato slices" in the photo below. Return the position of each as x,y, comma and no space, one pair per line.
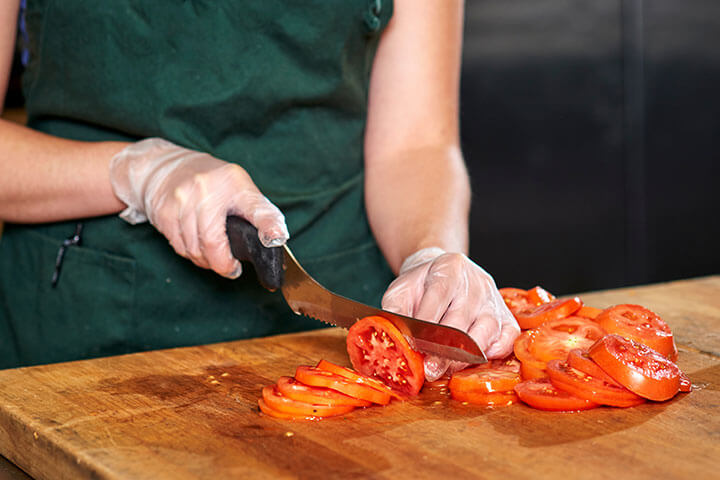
386,367
574,357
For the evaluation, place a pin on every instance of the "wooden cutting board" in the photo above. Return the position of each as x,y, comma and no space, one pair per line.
192,413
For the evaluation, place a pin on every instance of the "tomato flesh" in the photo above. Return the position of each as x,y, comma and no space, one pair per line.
543,395
637,367
491,399
536,315
315,377
579,360
640,324
264,408
557,337
494,376
356,377
588,312
582,385
378,350
538,296
278,402
294,390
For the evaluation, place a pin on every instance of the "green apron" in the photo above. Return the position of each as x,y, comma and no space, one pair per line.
279,87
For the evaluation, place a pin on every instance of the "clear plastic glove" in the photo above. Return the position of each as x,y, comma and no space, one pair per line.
187,196
450,289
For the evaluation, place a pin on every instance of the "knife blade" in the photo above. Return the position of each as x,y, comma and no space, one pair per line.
277,268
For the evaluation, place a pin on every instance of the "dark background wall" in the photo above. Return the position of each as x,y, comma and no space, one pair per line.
590,130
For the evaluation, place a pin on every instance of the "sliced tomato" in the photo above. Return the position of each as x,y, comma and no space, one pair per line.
530,367
538,296
582,385
536,315
555,338
588,312
515,298
541,394
294,390
278,414
639,324
492,399
685,383
353,376
579,359
494,376
278,402
637,367
315,377
378,350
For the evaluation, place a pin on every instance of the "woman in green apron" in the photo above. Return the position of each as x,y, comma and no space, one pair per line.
324,122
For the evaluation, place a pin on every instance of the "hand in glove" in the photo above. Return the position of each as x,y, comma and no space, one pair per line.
187,196
450,289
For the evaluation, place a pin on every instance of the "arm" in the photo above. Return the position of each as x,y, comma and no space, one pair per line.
417,188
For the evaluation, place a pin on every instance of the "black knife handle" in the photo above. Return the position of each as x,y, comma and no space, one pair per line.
245,246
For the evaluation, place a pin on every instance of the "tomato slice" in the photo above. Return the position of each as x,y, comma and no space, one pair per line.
554,339
315,377
294,390
492,399
515,298
637,367
278,402
494,376
588,312
685,383
639,324
538,296
378,350
582,385
530,367
536,315
579,360
356,377
541,394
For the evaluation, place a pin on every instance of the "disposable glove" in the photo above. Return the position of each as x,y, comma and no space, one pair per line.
450,289
187,196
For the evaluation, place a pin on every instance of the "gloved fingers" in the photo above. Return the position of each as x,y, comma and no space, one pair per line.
405,292
188,228
485,330
435,367
509,331
213,241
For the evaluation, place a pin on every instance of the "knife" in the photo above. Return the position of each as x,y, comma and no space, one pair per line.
277,268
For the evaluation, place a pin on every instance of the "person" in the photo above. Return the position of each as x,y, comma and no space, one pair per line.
331,125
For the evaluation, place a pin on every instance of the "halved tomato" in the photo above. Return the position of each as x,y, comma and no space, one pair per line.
315,377
538,296
637,367
353,376
492,399
582,385
285,416
639,324
588,312
536,315
494,376
294,390
579,360
274,400
541,394
555,338
378,350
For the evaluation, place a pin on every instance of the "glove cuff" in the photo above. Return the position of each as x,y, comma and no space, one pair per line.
420,257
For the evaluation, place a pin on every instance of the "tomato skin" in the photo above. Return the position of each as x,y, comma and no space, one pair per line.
277,402
538,296
640,324
579,360
536,315
530,367
264,408
637,367
588,312
356,377
581,385
294,390
378,350
492,399
494,376
315,377
543,395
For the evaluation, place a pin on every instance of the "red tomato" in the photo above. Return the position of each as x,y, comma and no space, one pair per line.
637,367
294,390
554,339
278,414
378,350
530,367
588,312
582,385
315,377
280,403
494,376
356,377
538,296
515,298
685,383
579,360
639,324
492,399
541,394
535,315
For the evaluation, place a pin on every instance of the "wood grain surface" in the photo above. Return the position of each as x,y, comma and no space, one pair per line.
191,413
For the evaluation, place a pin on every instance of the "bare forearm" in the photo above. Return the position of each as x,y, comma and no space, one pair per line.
419,199
45,178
